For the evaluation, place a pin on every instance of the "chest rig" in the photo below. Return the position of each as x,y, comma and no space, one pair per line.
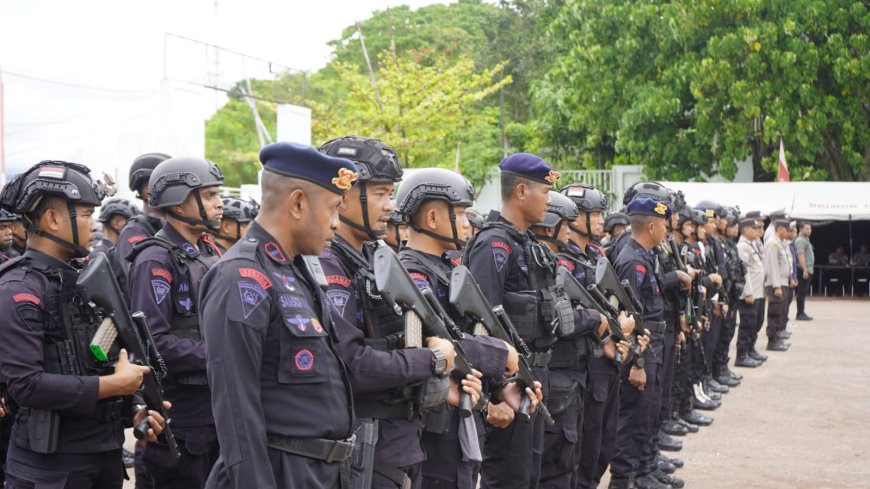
539,310
192,267
382,321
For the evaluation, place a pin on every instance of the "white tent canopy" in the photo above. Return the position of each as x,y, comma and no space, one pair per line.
841,201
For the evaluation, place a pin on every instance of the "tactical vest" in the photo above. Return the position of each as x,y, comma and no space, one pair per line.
666,264
184,322
736,269
568,352
68,327
381,319
382,325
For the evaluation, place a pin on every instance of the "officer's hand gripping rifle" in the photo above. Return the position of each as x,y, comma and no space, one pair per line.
607,280
584,297
467,298
397,288
98,285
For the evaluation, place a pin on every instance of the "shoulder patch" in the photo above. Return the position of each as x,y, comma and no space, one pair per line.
500,256
640,272
339,280
24,297
162,273
28,311
135,239
252,295
338,298
256,275
502,245
567,264
160,289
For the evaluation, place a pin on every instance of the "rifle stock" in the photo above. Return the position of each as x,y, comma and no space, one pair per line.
98,285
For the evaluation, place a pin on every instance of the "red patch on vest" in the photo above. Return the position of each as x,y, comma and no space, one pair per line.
338,279
26,297
640,268
419,276
504,246
567,264
162,273
456,261
256,275
696,251
135,239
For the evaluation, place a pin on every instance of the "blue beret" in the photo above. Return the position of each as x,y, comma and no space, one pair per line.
529,166
305,162
649,207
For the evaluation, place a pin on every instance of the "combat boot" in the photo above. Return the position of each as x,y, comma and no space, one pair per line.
746,361
670,480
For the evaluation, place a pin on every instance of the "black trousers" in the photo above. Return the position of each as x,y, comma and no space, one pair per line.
776,309
601,413
188,472
30,470
512,456
803,289
726,334
562,439
5,433
633,430
748,332
669,379
760,314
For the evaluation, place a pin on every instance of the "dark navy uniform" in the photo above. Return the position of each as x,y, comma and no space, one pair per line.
7,421
446,465
102,246
568,388
164,283
357,306
501,260
638,266
601,400
138,228
273,368
33,296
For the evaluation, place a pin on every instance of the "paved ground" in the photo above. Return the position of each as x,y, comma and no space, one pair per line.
802,421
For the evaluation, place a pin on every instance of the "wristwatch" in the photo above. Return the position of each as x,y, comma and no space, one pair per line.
439,362
638,362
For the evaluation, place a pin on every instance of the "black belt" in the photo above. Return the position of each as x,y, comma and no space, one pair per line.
330,451
655,326
540,358
374,409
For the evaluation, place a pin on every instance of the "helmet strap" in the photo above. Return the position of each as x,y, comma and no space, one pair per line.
366,226
79,250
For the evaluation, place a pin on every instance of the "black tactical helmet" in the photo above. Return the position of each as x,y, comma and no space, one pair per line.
699,217
477,221
705,205
615,219
649,190
117,206
172,181
683,215
588,199
375,162
69,181
560,208
240,210
8,216
429,184
142,167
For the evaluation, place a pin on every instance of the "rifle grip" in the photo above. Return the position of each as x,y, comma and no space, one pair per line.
464,403
525,405
141,429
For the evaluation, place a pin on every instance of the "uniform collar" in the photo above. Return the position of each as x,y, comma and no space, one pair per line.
47,261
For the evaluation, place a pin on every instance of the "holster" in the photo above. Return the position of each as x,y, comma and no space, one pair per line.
433,392
43,426
438,419
363,457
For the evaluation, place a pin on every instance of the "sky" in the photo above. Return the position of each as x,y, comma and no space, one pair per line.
80,73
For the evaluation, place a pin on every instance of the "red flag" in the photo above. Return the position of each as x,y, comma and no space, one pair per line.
782,174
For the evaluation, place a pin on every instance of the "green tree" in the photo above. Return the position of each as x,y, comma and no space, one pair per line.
689,87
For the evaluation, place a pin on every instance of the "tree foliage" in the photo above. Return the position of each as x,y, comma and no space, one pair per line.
687,88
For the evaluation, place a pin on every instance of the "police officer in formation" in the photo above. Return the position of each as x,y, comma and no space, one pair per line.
283,360
70,408
164,282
